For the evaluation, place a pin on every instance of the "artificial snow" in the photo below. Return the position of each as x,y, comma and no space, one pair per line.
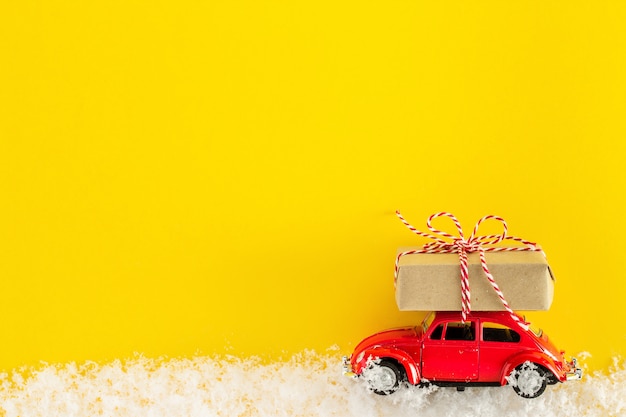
308,384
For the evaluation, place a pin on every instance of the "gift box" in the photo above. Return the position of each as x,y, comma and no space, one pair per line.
432,281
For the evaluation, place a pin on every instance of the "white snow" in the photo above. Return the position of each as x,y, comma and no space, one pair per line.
527,379
308,384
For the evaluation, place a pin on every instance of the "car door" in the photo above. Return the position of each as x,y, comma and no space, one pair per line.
450,352
498,343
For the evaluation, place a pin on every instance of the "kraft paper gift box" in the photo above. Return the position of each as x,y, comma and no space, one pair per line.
428,282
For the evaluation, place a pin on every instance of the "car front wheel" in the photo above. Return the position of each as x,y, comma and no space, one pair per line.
529,380
384,377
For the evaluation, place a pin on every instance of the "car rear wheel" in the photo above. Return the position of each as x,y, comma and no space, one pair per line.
384,377
529,380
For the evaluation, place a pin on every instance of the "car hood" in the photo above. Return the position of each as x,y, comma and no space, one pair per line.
388,337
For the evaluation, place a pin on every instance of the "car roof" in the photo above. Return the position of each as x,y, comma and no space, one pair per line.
502,316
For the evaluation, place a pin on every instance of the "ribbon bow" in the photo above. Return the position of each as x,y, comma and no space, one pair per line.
475,243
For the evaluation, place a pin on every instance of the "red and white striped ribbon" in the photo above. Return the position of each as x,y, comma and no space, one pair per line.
463,247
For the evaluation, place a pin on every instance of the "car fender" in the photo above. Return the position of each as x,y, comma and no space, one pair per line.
403,358
531,356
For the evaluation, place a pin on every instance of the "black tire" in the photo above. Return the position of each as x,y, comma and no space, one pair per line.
384,377
529,380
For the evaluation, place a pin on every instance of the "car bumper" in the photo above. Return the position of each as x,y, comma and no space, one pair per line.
575,373
347,368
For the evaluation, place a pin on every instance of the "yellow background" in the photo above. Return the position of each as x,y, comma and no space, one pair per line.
181,177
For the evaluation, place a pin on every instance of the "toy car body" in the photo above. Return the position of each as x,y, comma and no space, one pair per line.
489,348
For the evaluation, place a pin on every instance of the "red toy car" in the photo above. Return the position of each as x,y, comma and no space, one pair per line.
488,349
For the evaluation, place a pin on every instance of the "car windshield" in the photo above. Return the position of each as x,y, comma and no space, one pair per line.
428,321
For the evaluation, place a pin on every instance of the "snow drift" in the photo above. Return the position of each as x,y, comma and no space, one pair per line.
308,384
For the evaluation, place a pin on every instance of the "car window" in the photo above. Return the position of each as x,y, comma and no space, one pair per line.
436,334
428,321
460,331
495,332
